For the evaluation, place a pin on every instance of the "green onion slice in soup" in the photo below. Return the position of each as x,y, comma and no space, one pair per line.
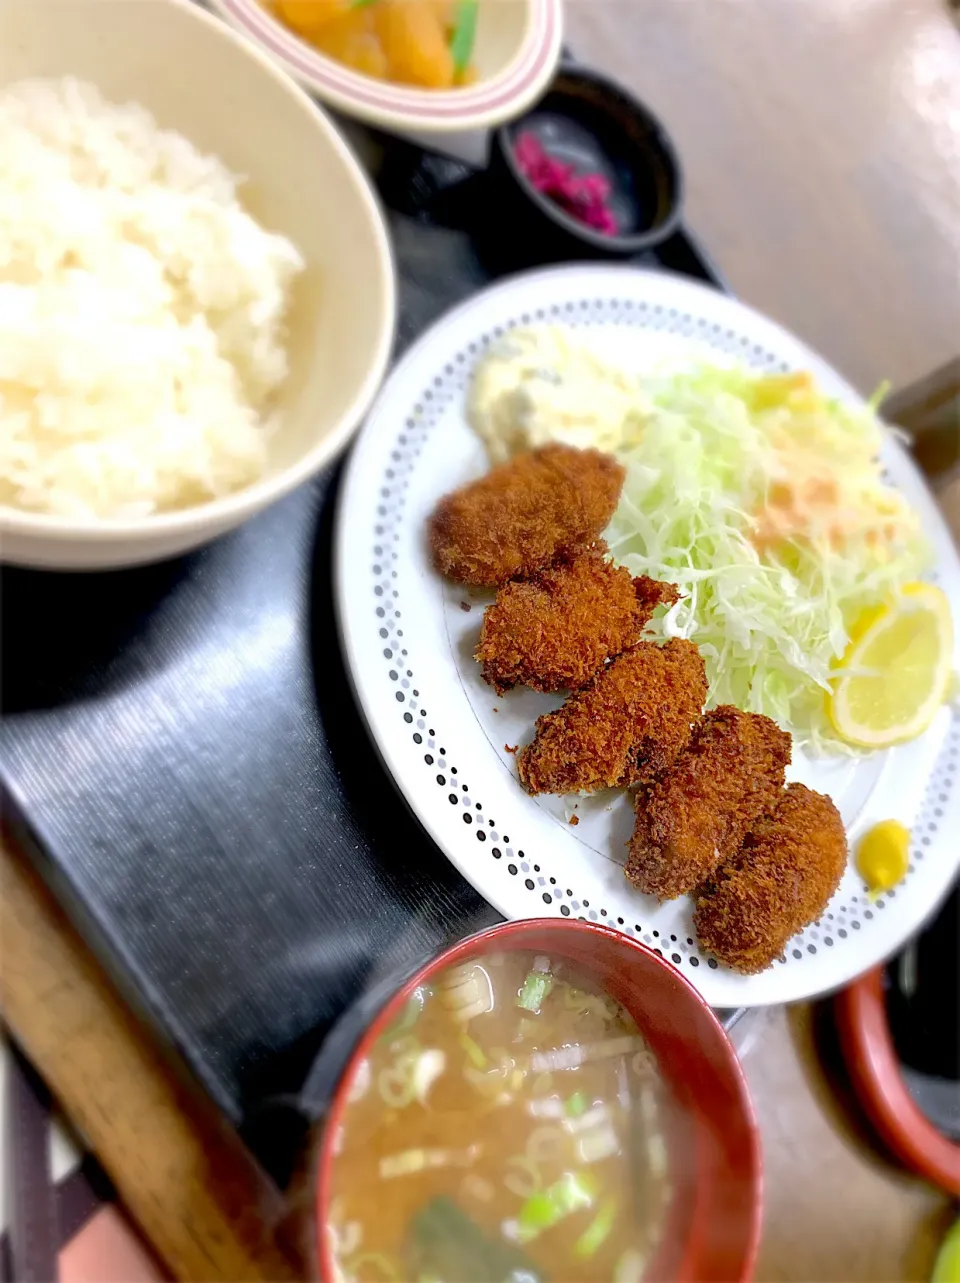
464,34
535,989
549,1206
598,1231
575,1105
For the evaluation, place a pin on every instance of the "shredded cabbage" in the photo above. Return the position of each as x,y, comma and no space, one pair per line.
765,503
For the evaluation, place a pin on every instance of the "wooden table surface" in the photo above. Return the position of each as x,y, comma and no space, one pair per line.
821,141
821,145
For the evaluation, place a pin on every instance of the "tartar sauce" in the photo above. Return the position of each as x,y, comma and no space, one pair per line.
544,384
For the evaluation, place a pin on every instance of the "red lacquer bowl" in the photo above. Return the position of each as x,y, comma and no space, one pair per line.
874,1068
714,1221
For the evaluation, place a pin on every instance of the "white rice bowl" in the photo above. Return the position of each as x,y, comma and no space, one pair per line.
141,312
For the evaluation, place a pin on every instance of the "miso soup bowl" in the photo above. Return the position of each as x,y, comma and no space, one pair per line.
713,1223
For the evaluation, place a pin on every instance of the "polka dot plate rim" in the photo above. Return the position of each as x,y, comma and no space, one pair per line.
446,737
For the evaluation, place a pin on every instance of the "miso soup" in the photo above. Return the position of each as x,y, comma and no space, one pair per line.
508,1126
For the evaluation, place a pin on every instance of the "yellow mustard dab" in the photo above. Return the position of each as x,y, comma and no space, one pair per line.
883,855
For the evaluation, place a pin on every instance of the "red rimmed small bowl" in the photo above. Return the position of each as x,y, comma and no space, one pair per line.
713,1225
516,52
874,1068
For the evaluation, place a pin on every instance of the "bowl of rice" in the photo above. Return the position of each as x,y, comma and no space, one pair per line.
197,297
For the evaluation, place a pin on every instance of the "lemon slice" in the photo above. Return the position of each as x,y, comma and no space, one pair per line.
896,672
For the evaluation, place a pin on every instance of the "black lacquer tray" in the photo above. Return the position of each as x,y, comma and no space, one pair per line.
181,753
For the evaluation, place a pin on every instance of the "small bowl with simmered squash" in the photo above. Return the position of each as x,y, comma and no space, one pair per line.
411,66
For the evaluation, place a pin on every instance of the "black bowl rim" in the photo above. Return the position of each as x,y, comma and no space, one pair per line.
636,241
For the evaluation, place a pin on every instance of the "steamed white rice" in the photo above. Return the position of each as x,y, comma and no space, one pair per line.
141,312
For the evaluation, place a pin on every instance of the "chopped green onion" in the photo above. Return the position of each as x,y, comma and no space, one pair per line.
537,1214
427,1068
421,1160
395,1086
413,1008
598,1142
597,1231
464,34
535,989
373,1260
574,1056
474,1051
576,1105
361,4
630,1267
549,1206
410,1160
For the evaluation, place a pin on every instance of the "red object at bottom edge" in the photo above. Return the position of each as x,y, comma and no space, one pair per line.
874,1067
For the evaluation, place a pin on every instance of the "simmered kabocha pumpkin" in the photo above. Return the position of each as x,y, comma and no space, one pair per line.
426,43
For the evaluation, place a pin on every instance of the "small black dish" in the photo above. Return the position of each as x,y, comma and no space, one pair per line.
590,123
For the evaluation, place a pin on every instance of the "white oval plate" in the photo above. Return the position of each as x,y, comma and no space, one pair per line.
409,639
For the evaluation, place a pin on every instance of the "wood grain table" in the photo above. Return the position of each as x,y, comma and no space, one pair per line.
821,142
